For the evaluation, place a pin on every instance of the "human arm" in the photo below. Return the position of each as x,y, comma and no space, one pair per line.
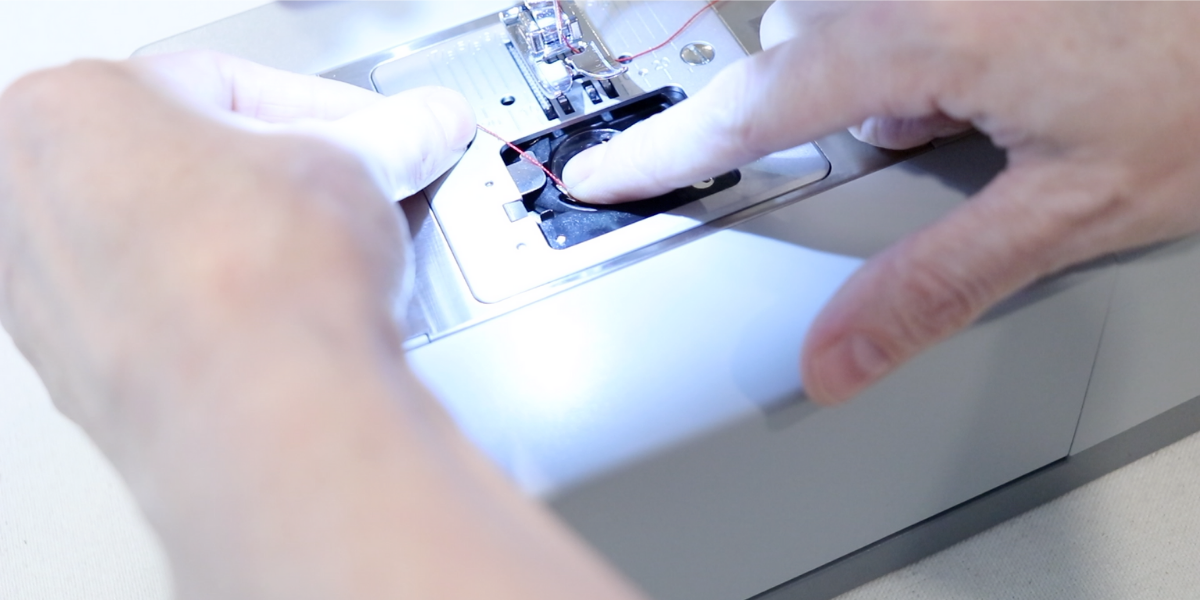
199,257
1095,104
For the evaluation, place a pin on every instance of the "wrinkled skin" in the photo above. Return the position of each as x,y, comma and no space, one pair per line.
1095,103
200,258
134,213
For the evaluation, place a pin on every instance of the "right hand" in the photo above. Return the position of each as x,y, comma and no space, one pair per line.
1097,104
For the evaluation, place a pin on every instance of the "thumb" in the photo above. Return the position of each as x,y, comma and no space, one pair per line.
1029,222
406,140
902,134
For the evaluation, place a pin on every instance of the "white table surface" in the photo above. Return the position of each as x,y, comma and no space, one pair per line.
69,530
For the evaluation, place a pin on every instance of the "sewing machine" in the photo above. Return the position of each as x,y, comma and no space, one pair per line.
636,367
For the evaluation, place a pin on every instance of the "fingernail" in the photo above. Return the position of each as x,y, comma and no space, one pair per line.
580,169
865,131
848,367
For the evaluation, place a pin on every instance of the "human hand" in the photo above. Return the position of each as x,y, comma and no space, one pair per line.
153,211
1095,104
199,257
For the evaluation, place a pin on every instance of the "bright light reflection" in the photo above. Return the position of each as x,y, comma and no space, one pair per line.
634,362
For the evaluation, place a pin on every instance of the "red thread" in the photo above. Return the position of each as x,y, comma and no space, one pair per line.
563,35
625,59
529,157
566,40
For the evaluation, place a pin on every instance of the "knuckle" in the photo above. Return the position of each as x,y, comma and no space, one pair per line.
1094,199
933,302
1078,207
51,91
941,50
30,94
738,118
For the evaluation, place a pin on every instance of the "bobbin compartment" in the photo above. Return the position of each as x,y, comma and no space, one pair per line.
564,222
496,251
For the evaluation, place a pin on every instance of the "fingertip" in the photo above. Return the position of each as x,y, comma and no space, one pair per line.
411,138
935,283
890,134
906,133
454,116
581,167
580,175
447,113
837,371
775,26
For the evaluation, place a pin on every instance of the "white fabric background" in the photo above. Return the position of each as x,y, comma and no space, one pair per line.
68,528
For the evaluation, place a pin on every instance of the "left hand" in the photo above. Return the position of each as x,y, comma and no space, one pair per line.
151,208
200,257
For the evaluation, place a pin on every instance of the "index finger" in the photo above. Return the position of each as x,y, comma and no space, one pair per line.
832,77
228,83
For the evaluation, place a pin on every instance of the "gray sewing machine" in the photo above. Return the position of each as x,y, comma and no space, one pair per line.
636,367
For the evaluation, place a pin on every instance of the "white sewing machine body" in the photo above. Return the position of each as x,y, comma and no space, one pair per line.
641,375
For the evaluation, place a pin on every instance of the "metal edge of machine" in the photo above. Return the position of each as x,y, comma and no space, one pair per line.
992,508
